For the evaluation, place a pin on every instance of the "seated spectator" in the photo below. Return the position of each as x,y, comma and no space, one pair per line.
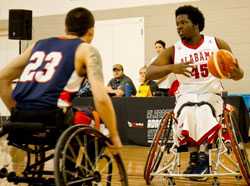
120,85
165,82
146,88
85,89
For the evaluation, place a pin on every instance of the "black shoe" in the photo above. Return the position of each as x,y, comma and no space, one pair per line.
202,167
193,160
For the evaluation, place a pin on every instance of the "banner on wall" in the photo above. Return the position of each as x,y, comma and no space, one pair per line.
153,120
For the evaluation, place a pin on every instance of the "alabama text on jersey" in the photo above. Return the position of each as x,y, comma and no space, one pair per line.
201,80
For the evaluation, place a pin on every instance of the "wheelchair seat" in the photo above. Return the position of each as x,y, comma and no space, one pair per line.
31,133
34,127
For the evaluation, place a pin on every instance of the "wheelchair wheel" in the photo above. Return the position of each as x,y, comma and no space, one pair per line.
158,146
238,144
83,159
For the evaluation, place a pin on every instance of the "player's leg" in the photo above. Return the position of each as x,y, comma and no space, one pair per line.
185,128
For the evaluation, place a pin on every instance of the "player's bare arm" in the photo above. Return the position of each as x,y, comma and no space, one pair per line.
238,73
161,80
88,56
11,72
163,65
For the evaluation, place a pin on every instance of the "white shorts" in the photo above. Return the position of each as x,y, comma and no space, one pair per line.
196,120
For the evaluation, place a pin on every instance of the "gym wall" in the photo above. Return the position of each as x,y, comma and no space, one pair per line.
226,19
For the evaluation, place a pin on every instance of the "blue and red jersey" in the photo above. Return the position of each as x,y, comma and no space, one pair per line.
49,72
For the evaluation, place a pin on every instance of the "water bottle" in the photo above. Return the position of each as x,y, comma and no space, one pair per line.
128,90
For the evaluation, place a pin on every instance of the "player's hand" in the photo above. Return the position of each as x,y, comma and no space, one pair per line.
183,68
236,73
109,89
117,144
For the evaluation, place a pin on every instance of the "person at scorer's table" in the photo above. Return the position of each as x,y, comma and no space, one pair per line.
120,85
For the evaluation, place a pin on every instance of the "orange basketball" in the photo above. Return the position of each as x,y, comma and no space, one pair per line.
221,63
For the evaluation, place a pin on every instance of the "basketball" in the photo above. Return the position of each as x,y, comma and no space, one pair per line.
221,63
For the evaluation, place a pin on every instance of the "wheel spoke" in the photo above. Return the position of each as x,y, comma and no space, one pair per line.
106,166
81,180
82,158
72,152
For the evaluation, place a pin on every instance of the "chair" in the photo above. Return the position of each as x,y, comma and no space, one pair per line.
164,158
79,152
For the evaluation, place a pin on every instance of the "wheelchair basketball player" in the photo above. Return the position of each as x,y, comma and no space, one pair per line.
53,66
198,98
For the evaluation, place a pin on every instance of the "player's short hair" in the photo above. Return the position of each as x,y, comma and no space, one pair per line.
79,20
194,14
162,43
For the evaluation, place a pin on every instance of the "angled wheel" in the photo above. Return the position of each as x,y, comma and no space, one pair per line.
59,146
237,144
158,146
82,158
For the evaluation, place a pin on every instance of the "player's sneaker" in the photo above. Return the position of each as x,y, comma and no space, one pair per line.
193,160
202,166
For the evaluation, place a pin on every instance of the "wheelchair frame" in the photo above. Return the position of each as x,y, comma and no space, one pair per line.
164,157
71,151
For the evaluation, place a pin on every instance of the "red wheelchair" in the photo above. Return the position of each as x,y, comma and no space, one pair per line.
164,158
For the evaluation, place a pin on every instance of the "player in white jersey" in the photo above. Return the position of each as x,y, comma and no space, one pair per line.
198,100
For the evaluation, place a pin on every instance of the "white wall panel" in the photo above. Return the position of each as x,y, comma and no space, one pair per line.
55,7
8,50
121,41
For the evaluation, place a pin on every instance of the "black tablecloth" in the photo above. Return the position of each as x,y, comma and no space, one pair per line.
138,118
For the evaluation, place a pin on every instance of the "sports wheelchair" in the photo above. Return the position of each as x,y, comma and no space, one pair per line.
79,153
164,158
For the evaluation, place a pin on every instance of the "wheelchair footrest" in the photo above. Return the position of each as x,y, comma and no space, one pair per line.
12,177
182,148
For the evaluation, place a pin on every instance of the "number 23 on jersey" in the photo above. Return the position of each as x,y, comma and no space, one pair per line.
41,67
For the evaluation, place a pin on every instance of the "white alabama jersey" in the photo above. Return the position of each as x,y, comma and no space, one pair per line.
201,80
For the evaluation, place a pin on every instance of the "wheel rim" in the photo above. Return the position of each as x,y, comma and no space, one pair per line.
79,166
238,146
156,152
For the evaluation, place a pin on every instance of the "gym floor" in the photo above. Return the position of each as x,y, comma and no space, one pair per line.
134,158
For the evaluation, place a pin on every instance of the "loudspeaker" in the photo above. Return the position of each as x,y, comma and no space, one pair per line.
20,24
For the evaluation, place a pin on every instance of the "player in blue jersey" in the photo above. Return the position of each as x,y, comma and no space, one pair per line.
52,69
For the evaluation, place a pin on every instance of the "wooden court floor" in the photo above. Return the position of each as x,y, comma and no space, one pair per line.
134,158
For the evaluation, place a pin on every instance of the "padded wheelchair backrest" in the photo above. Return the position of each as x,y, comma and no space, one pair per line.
51,118
35,127
9,125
